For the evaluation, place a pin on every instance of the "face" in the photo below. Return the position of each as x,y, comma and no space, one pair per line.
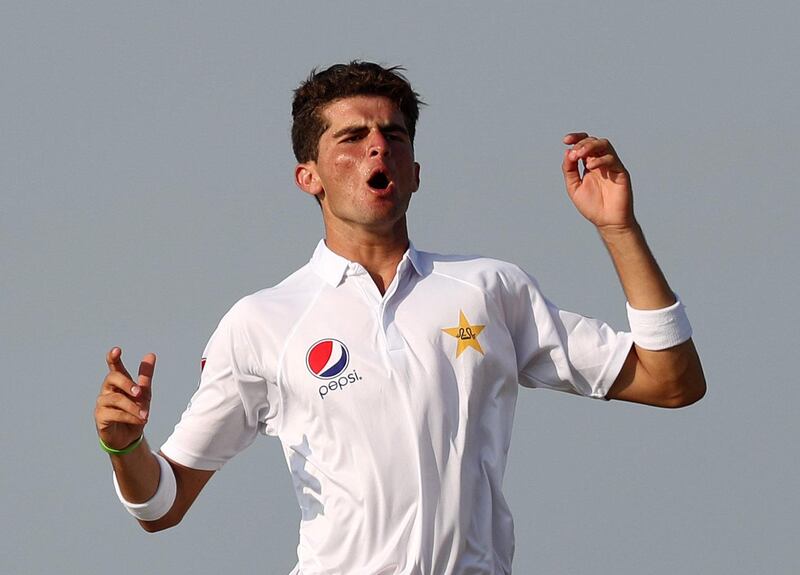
365,171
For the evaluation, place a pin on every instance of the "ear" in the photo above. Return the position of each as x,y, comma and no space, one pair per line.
416,176
307,179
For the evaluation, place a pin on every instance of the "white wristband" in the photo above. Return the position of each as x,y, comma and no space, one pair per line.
657,329
160,503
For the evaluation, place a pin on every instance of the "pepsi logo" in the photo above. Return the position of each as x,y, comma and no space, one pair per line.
327,358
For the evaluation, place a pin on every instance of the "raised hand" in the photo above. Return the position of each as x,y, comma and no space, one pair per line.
603,194
123,405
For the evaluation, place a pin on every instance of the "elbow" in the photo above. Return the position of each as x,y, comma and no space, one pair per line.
171,519
151,526
687,386
685,400
685,392
156,526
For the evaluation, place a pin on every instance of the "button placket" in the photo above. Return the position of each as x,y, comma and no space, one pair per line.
384,305
394,341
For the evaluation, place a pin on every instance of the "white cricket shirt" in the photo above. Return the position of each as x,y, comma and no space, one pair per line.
394,411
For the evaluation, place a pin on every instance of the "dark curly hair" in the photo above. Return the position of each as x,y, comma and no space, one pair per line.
342,81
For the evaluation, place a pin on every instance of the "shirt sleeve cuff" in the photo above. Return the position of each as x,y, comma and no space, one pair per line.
182,457
614,366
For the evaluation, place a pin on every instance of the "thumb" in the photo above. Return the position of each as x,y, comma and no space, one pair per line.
572,175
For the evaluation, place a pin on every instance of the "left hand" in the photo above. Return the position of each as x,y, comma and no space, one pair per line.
603,195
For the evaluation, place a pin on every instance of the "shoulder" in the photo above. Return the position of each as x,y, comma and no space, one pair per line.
278,305
486,273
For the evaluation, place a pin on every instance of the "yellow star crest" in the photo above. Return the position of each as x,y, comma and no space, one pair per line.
466,334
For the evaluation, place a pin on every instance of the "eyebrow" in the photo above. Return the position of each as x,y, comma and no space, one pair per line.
356,128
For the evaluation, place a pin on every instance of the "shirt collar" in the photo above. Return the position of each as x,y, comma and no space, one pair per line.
332,267
415,258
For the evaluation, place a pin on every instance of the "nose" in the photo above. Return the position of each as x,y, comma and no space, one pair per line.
378,145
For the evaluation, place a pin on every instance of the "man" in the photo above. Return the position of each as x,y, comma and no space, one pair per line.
390,375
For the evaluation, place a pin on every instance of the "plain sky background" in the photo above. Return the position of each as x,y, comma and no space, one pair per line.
146,185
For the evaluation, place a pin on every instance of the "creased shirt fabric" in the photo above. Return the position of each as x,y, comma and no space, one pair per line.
394,411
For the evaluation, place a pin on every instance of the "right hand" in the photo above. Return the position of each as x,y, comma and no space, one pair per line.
123,405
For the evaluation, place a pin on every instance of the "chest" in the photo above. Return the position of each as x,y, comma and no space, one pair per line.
426,352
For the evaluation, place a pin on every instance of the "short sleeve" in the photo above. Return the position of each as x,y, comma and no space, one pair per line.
224,414
557,349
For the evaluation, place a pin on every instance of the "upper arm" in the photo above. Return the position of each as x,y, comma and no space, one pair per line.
558,349
667,378
190,483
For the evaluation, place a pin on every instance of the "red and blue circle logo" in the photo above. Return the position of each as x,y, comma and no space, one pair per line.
327,358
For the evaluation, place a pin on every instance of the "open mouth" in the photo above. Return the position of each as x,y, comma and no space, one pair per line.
378,181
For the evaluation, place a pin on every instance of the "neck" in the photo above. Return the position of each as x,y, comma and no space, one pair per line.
379,253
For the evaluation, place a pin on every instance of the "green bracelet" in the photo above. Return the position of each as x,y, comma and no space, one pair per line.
124,450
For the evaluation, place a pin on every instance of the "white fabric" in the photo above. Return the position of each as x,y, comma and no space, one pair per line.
657,329
397,462
161,502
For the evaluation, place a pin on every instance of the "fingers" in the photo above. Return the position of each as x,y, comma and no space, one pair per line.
114,361
116,382
586,147
119,408
591,146
574,137
117,416
607,161
146,369
119,378
123,406
595,152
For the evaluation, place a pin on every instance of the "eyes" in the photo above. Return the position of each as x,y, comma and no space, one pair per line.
391,136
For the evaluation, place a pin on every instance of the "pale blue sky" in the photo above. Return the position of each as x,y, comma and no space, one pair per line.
146,178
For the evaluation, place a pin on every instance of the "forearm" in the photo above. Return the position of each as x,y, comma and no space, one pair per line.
642,281
137,473
671,377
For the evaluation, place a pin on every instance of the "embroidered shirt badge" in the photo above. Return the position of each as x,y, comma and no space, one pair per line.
466,334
